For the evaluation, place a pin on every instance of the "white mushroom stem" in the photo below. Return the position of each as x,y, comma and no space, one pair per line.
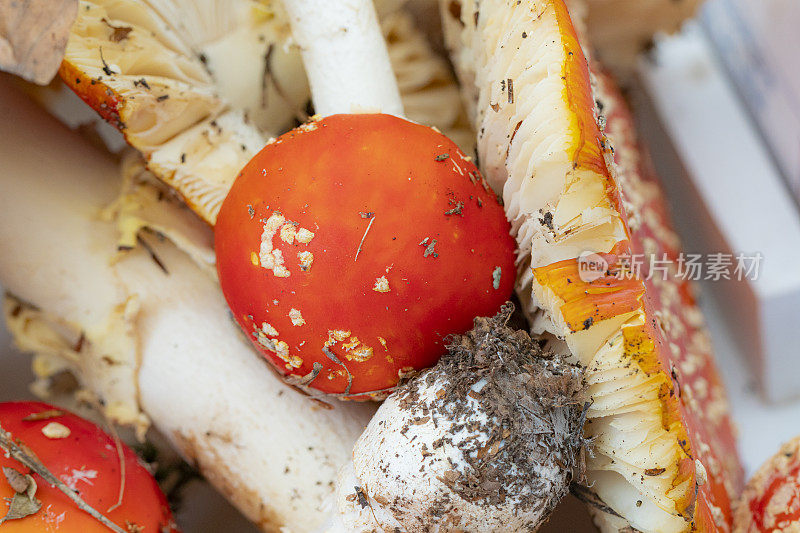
273,451
345,56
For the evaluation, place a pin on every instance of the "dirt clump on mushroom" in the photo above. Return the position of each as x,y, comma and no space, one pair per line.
517,417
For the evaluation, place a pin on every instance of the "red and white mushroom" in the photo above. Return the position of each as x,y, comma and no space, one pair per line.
64,474
350,247
166,333
398,240
348,250
575,183
771,500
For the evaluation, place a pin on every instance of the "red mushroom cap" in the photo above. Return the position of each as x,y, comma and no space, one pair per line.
771,500
350,247
82,456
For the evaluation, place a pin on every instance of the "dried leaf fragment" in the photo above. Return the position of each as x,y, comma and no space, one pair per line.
24,502
362,499
18,481
381,285
21,505
33,36
118,33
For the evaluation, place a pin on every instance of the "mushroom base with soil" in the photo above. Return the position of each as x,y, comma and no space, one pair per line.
488,440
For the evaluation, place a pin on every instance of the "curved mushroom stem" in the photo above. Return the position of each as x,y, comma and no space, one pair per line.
345,56
67,245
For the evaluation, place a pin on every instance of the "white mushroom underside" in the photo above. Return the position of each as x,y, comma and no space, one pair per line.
533,169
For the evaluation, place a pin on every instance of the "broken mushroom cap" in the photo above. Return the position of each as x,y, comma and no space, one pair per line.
487,440
350,247
771,500
664,448
108,478
185,95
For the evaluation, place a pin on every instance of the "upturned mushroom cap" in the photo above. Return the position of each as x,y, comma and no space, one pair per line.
350,247
659,416
163,73
86,460
198,88
487,440
771,501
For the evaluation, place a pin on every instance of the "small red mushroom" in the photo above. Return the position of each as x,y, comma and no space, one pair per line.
771,500
86,460
348,249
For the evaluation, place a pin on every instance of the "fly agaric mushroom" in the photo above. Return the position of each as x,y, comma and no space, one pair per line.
64,474
664,449
487,440
126,322
350,246
424,80
185,94
132,311
771,501
349,249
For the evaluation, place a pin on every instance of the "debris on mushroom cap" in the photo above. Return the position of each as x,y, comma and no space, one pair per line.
771,500
388,261
64,473
487,440
55,430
